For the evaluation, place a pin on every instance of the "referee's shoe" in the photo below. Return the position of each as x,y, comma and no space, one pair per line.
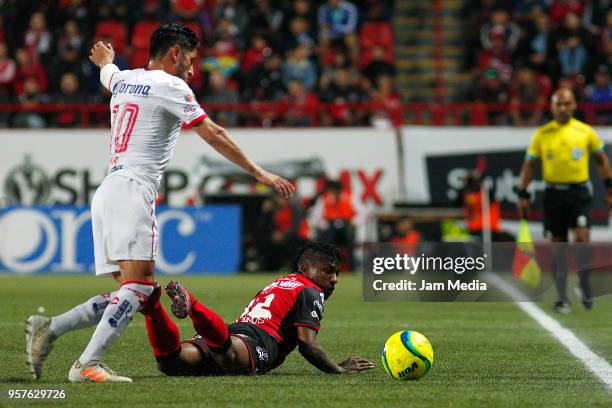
587,303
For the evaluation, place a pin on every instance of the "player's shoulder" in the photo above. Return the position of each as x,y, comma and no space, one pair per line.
168,80
580,126
546,128
293,283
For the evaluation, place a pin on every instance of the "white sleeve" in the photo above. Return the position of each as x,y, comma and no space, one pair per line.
181,102
106,75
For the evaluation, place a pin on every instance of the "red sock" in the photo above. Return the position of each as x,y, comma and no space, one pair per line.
210,326
163,333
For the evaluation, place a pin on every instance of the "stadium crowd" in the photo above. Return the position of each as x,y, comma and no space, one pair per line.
284,58
520,51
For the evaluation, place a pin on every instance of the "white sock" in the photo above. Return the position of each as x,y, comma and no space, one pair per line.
84,315
130,298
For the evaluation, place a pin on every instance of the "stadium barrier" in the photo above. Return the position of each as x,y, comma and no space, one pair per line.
59,168
392,112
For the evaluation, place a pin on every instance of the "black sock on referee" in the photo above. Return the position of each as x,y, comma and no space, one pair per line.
560,269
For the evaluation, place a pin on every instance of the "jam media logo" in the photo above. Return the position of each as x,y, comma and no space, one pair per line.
27,184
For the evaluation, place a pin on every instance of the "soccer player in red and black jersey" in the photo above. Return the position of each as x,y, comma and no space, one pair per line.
284,315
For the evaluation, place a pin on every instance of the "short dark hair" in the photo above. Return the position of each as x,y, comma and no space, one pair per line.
315,251
168,35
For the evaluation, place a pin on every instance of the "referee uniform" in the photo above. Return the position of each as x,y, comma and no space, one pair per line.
563,151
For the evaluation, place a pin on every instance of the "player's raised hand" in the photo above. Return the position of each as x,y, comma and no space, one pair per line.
102,54
355,365
281,185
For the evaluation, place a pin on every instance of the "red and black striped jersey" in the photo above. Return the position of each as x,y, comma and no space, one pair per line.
279,308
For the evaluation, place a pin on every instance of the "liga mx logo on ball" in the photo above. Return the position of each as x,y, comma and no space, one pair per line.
407,355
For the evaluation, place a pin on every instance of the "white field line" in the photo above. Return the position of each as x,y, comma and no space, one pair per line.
595,364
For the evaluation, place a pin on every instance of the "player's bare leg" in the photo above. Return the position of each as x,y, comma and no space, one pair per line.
136,286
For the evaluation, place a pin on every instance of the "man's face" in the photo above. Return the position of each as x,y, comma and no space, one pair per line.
324,274
563,104
186,58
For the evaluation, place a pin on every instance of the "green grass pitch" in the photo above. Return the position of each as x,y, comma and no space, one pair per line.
486,354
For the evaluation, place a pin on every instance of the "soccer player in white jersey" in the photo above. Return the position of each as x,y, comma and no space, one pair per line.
148,109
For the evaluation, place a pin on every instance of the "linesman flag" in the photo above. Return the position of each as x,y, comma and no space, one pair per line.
525,264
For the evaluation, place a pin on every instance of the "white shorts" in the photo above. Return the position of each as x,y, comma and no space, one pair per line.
123,223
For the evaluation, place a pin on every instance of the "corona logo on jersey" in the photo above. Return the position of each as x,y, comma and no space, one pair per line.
59,239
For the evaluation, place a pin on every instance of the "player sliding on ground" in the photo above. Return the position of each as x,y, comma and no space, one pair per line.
285,314
148,109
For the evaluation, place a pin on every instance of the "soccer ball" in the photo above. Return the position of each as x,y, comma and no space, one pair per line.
407,355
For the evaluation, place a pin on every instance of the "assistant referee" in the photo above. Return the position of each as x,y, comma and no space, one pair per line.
563,146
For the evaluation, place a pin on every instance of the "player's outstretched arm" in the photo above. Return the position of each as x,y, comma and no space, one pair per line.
221,141
315,355
103,55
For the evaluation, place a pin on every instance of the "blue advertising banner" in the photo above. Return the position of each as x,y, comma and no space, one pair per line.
47,239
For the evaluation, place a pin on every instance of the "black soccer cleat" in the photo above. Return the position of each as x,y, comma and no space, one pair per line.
181,299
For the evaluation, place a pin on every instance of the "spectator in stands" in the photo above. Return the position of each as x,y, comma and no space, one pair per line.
233,11
224,53
265,19
37,40
379,66
341,92
30,96
606,57
497,57
561,8
529,93
299,34
573,56
573,27
299,107
218,91
265,81
606,32
69,94
299,67
77,10
302,9
8,70
501,27
255,54
337,21
527,10
338,214
186,10
385,103
328,75
601,92
26,68
282,227
541,49
491,89
406,238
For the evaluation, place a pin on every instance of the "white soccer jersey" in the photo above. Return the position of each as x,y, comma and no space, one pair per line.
148,109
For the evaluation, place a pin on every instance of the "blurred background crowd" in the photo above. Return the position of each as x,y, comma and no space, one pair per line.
284,57
519,51
320,62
